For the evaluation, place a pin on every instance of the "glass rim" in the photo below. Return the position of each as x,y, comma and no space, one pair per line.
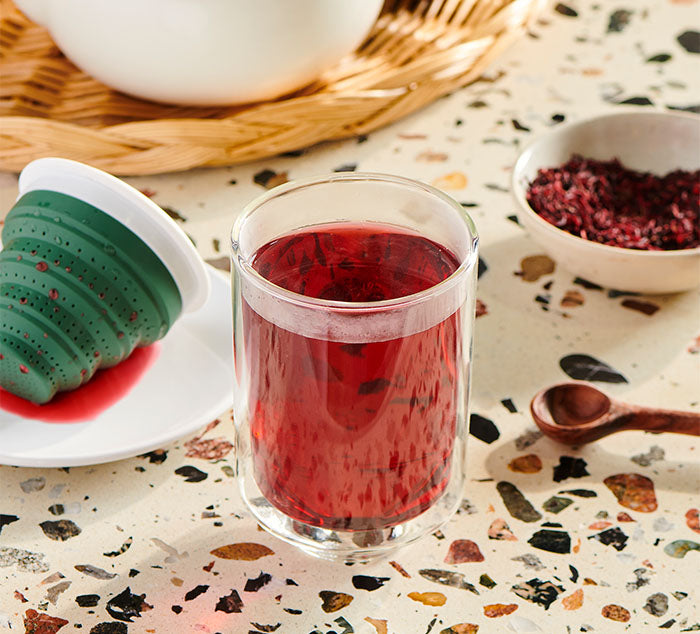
244,267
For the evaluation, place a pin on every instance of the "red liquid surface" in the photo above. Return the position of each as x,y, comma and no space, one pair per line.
87,402
352,436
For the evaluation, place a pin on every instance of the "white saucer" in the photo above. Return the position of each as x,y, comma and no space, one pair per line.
189,384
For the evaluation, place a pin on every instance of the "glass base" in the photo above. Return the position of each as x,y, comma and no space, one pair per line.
350,546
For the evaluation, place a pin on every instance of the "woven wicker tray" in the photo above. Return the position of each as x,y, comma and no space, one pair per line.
417,51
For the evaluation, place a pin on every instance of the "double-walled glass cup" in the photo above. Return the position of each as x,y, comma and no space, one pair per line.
352,416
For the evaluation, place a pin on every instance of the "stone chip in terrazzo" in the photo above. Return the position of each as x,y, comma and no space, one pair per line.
495,610
584,367
529,463
191,474
428,598
229,603
126,605
612,537
253,585
573,601
87,600
581,493
334,601
533,267
616,612
499,529
33,484
462,551
41,623
679,548
634,491
656,604
531,561
542,593
365,582
448,578
516,503
551,541
60,530
483,428
7,519
243,551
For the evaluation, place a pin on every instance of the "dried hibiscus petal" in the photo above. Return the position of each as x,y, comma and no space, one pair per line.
605,202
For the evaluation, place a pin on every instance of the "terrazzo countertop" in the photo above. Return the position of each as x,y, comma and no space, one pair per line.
604,538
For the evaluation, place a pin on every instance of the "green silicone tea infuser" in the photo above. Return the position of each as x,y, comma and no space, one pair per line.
90,269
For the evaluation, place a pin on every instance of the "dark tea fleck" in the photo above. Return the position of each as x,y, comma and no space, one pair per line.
605,202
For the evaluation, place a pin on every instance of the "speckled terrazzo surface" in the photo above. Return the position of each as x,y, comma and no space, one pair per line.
604,538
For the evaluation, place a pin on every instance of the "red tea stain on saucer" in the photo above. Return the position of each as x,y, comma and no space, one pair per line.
105,389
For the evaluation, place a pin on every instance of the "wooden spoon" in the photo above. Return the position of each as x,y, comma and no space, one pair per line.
578,413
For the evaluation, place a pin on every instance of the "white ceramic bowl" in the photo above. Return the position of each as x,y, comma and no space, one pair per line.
205,52
656,142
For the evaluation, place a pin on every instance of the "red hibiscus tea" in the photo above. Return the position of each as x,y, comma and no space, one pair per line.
352,341
352,435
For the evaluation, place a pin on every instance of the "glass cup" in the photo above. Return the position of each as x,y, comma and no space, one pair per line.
352,416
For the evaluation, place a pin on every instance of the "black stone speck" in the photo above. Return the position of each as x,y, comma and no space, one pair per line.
229,603
158,456
570,467
582,493
583,367
133,572
195,592
110,627
483,428
586,284
346,167
694,108
364,582
173,213
292,611
636,101
519,126
87,600
509,405
565,10
514,219
483,267
291,582
253,585
558,117
551,541
660,58
7,519
611,537
263,177
690,41
191,474
126,605
619,19
176,608
486,581
574,573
